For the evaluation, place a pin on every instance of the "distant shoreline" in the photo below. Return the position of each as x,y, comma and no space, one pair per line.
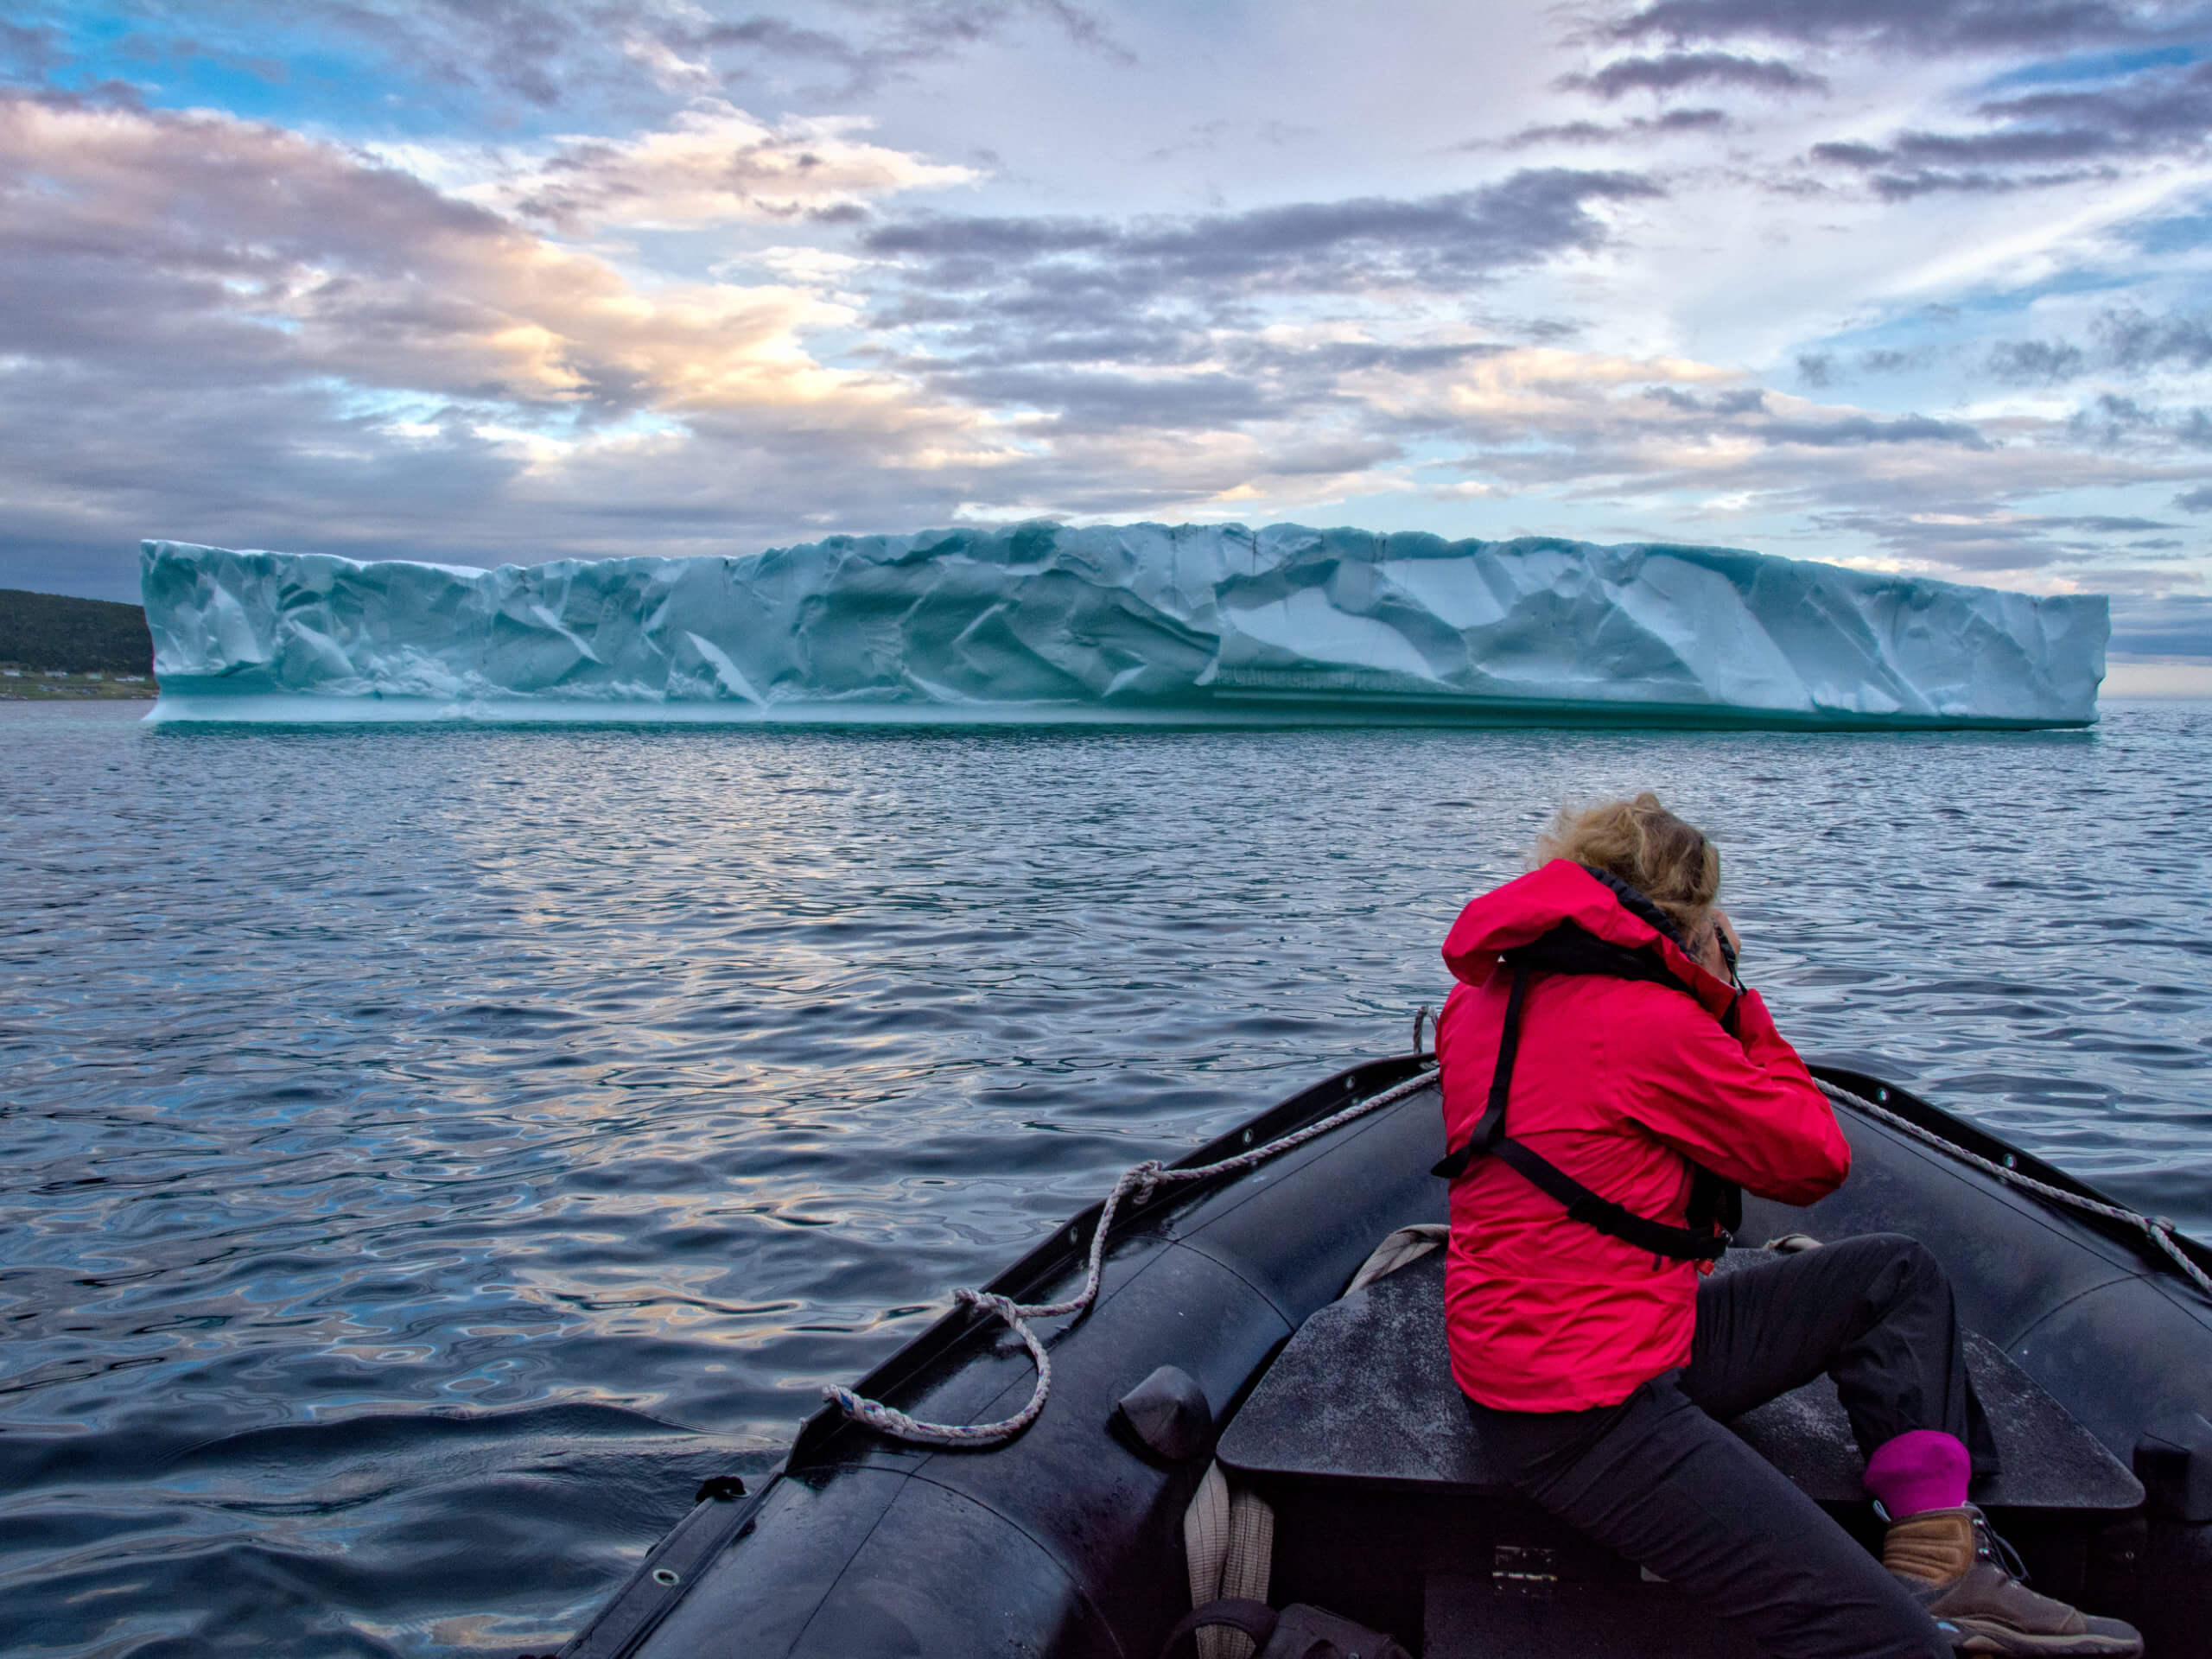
54,646
46,685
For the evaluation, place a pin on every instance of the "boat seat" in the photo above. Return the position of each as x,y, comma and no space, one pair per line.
1387,1500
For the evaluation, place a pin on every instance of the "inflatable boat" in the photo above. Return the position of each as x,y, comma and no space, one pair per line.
1222,1415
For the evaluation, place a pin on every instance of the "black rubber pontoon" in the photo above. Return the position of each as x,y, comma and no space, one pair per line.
2094,1354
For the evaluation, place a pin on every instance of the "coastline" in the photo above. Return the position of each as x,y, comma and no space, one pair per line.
43,685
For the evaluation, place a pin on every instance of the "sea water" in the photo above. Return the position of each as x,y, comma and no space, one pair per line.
429,1153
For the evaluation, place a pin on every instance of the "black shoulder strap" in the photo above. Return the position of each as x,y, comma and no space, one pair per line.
1571,949
1713,1202
1491,1127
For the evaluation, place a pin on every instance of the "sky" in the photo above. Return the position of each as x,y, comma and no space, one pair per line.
1920,286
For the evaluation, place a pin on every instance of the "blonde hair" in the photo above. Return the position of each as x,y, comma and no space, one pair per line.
1641,842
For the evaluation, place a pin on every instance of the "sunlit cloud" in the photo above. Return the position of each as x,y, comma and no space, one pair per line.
713,164
1915,286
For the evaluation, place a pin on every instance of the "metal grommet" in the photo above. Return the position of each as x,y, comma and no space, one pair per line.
1248,1137
664,1575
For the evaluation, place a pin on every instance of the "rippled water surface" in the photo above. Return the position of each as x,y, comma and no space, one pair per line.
428,1153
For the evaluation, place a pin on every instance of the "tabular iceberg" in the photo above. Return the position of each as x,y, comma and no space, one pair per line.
1127,622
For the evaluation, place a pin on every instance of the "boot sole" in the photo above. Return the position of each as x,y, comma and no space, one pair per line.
1978,1636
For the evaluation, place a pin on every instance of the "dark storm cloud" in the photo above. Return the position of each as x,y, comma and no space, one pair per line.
1816,369
1676,70
2197,500
1906,25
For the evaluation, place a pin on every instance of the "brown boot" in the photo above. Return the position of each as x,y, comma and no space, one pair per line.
1949,1559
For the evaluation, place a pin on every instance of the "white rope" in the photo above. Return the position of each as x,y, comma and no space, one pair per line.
1140,1180
2160,1230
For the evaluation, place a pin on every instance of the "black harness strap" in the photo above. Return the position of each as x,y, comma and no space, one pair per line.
1713,1202
1491,1129
1587,1207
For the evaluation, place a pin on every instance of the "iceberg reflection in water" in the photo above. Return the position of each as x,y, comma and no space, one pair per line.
1128,623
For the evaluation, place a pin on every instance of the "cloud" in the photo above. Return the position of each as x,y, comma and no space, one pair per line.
2175,625
1866,429
2112,420
263,339
1978,541
2043,138
1094,267
715,164
2100,523
2036,362
1593,132
185,245
552,54
2134,340
28,53
1679,69
2197,500
221,329
218,328
1975,26
2126,340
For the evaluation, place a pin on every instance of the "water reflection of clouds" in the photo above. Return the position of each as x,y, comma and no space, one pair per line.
377,1077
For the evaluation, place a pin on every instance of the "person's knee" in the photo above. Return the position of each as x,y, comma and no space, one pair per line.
1897,1252
1900,1272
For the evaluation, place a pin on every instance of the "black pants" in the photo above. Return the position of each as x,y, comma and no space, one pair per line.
1658,1478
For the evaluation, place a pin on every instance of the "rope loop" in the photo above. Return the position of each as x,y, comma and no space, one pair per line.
1140,1181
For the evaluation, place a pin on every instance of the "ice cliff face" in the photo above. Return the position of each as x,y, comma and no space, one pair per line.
1130,621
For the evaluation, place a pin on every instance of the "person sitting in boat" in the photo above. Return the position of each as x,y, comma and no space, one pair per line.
1609,1088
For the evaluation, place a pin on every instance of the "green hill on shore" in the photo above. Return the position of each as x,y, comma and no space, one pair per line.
80,636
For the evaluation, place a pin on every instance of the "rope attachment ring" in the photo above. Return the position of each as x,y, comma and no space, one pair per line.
1138,1183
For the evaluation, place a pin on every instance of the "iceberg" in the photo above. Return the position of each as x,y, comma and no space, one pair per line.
1136,622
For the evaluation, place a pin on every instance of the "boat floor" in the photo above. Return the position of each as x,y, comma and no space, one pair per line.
1389,1509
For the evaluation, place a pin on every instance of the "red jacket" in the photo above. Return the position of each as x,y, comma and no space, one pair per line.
1620,1083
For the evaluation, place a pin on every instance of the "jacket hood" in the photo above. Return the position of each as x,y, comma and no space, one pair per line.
1524,910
